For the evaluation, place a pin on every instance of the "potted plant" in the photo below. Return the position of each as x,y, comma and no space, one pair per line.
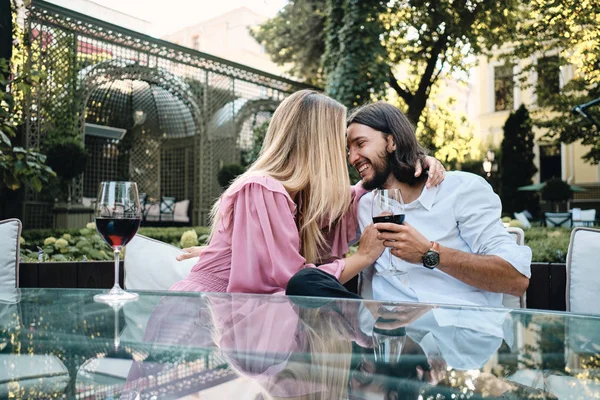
556,191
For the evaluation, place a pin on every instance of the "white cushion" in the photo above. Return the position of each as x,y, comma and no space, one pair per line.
10,232
562,220
508,300
582,293
522,218
585,217
45,374
151,265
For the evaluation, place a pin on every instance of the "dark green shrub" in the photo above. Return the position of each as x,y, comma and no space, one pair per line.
556,190
67,157
228,173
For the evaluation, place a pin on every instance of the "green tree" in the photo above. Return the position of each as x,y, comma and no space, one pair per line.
427,39
554,34
516,164
18,166
355,59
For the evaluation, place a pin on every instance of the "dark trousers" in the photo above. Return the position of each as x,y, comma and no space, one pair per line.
312,282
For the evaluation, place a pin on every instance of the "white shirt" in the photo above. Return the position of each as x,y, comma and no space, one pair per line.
462,213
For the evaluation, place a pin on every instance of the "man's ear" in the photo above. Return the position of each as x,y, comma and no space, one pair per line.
391,144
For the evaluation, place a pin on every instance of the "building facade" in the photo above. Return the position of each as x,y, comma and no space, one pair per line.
228,36
496,93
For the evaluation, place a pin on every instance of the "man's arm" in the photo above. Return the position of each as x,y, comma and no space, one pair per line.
487,272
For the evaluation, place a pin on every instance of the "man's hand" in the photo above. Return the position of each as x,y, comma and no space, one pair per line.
401,316
191,252
437,173
404,241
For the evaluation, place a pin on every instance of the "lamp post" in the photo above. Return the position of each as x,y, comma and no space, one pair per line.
489,165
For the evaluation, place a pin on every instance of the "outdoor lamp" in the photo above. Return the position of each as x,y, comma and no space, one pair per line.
489,165
139,117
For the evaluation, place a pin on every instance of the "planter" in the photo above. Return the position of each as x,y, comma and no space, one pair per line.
72,216
547,287
77,274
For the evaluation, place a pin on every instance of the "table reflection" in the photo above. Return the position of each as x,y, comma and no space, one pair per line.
246,346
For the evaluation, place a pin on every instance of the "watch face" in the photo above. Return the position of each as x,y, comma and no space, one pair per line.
431,259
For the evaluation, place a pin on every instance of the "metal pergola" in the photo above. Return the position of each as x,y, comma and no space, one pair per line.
185,113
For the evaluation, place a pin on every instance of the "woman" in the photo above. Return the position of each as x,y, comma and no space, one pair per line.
290,210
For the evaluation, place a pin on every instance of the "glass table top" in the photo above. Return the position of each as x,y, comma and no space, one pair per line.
59,343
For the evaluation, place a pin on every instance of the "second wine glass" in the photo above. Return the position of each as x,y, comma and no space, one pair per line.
118,216
388,206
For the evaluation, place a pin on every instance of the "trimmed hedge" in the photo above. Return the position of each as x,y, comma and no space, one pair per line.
548,244
168,235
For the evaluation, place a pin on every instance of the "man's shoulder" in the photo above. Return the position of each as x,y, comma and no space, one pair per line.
454,177
460,181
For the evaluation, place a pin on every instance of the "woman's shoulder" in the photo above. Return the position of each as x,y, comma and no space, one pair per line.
259,183
254,185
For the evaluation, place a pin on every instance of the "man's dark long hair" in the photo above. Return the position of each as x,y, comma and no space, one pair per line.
390,120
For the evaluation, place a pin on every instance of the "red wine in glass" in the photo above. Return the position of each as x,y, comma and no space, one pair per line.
388,206
118,216
117,231
393,219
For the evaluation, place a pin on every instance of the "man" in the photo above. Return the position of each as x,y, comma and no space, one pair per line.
452,245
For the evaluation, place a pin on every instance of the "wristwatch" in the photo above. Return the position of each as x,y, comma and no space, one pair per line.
431,259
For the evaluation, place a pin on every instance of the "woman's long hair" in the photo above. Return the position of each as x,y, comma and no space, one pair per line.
304,149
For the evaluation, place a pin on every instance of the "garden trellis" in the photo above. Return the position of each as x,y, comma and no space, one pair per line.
185,113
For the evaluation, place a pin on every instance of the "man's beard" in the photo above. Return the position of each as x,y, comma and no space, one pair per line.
382,170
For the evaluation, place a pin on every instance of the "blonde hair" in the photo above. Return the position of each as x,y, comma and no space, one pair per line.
330,349
304,150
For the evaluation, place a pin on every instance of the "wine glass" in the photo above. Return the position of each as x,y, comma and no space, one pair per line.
388,343
118,216
388,206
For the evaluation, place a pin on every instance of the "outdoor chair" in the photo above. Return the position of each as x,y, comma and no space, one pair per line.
582,294
522,218
10,232
558,220
510,301
151,265
583,217
43,373
167,208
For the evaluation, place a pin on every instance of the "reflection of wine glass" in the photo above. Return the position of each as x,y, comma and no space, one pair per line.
388,343
118,216
388,206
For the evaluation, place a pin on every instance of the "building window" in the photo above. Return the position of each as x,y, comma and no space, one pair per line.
196,42
550,162
548,83
503,88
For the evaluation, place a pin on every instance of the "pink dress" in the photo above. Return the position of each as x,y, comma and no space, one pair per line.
256,248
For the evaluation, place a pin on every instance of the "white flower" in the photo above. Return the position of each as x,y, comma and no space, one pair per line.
189,239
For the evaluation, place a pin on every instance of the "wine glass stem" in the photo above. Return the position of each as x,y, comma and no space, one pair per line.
117,252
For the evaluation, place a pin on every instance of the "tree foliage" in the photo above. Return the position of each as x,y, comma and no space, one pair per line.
566,33
371,48
516,164
18,165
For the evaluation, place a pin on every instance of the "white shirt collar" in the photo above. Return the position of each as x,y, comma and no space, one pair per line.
426,198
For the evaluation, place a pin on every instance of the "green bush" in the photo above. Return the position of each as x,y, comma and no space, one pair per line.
75,244
228,173
548,244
